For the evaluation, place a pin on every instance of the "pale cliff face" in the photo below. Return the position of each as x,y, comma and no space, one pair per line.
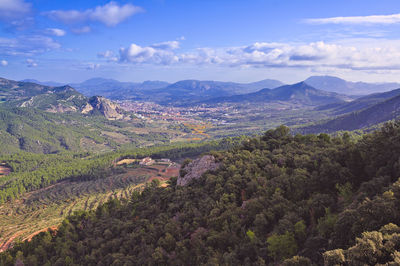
109,109
197,168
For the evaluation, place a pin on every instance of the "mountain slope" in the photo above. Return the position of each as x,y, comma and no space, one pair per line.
378,113
301,93
360,103
33,130
334,84
27,94
54,99
277,200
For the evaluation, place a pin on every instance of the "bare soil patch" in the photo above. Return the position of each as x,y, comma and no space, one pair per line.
4,170
126,161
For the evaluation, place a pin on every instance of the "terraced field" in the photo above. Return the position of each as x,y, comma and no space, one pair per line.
44,208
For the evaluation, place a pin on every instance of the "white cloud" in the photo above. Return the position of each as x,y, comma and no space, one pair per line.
27,45
170,45
109,55
106,54
11,9
110,14
157,54
374,19
4,63
360,54
31,63
82,30
56,32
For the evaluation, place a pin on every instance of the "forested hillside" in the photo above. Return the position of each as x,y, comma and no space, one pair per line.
277,199
38,191
363,119
30,172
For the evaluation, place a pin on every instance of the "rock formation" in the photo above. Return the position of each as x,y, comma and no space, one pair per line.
195,169
107,108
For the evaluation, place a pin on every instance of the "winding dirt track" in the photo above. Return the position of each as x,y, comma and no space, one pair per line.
6,245
29,238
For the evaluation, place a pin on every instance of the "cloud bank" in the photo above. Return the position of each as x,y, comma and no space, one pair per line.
27,45
361,20
366,55
110,14
12,9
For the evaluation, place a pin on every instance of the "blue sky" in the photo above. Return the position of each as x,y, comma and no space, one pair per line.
289,40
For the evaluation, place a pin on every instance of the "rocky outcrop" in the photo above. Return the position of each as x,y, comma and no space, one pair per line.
61,109
87,109
107,108
195,169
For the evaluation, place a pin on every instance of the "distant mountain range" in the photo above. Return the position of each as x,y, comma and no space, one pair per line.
117,90
191,91
334,84
199,90
166,93
347,113
300,93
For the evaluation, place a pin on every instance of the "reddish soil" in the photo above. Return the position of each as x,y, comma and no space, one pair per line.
172,171
29,238
158,167
6,245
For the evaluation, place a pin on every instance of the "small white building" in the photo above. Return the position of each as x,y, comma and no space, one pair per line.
146,161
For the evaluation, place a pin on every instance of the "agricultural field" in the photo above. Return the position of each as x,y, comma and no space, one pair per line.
47,207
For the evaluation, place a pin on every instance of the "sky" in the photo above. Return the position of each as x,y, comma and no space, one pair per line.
227,40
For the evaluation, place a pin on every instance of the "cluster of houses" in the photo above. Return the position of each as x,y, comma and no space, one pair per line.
146,161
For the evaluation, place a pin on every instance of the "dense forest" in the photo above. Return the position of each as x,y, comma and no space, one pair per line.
34,171
276,199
